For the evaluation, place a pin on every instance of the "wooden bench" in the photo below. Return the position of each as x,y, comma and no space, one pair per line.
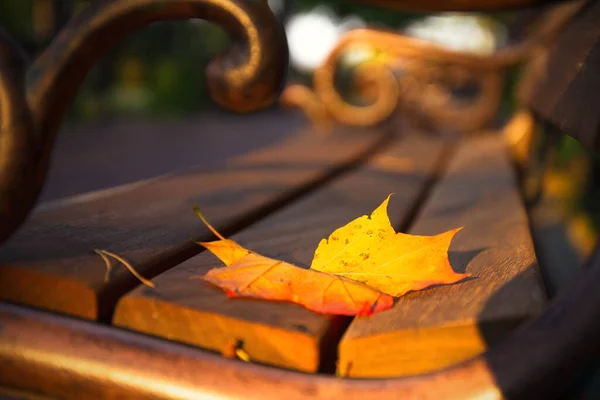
69,330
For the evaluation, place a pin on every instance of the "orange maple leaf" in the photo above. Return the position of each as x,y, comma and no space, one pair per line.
249,274
368,250
266,278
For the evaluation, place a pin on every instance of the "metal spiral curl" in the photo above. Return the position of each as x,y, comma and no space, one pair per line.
34,101
383,88
431,98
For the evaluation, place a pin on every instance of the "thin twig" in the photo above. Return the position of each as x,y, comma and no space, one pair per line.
127,265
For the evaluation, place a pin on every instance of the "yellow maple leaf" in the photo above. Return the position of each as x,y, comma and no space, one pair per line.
368,250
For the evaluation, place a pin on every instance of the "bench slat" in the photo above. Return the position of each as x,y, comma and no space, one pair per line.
282,334
50,262
440,326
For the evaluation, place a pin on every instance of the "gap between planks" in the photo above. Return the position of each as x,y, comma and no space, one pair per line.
49,263
282,334
438,327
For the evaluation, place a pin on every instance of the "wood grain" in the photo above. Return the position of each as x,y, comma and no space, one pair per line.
50,262
281,334
434,328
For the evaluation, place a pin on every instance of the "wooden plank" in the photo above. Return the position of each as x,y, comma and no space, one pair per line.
434,328
79,158
50,262
282,334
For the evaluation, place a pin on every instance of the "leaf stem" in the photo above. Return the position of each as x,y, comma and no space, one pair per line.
208,225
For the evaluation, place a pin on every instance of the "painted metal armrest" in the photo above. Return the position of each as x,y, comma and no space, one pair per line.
33,100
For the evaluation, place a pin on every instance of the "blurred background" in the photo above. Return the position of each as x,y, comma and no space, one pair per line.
159,70
144,110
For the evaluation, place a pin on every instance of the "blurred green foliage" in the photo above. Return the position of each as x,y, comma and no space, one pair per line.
15,16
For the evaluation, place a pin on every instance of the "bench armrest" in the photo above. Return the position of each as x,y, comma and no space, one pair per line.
33,101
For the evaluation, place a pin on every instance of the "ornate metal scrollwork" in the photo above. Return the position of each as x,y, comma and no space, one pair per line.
412,75
33,101
419,78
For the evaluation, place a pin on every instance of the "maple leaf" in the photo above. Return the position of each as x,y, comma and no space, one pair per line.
249,274
261,277
368,250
